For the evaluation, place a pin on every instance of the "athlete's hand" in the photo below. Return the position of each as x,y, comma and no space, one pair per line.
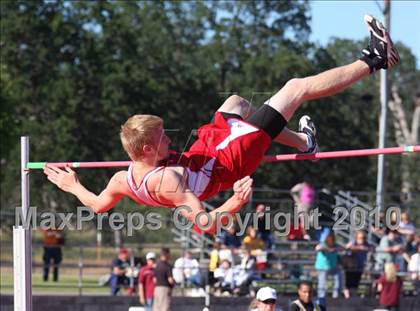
64,179
242,189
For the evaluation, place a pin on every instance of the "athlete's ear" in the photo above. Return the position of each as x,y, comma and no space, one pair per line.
147,149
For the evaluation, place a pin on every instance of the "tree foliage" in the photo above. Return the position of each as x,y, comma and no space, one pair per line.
73,72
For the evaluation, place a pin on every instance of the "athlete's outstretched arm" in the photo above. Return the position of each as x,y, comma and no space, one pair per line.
67,181
174,190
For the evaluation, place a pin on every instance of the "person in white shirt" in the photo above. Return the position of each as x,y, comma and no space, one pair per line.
414,268
225,276
187,270
406,227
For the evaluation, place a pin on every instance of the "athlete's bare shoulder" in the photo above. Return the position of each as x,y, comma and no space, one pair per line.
170,177
119,181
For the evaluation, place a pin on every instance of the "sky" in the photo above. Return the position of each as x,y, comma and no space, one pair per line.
344,19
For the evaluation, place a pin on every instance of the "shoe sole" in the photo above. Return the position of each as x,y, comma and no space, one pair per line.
374,26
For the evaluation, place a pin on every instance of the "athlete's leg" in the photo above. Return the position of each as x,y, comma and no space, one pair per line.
235,104
293,139
328,83
380,54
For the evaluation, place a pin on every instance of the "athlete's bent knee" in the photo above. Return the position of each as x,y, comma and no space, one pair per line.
297,86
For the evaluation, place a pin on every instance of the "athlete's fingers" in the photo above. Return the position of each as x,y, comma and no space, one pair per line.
247,193
241,182
49,171
69,170
54,168
52,179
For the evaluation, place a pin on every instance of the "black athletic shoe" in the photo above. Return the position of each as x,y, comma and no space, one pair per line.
381,53
308,127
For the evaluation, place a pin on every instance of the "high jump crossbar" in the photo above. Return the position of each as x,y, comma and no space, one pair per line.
268,159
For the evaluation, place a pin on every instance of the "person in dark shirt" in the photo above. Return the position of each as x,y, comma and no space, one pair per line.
163,282
118,270
304,302
229,238
264,233
53,240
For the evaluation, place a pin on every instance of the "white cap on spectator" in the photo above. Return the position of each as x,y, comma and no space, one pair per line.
150,255
266,293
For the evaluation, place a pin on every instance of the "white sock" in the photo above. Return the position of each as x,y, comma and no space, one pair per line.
309,144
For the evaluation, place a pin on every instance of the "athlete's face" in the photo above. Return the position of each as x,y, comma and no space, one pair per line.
161,142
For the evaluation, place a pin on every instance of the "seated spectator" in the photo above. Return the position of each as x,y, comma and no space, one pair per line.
379,231
414,269
118,270
226,253
256,246
264,230
244,273
410,248
388,249
406,227
186,270
389,287
304,302
225,277
146,282
296,233
326,263
359,249
252,242
229,238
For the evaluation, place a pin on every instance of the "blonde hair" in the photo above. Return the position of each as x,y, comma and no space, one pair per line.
390,272
137,132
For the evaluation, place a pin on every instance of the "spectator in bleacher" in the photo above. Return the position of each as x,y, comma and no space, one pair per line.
296,233
53,240
264,232
163,282
406,227
379,231
225,277
229,238
244,273
303,195
257,247
146,282
304,302
119,269
266,300
326,263
252,242
187,270
214,261
359,249
414,269
389,249
226,253
410,248
389,288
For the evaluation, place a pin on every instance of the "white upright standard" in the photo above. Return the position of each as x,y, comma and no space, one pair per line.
22,241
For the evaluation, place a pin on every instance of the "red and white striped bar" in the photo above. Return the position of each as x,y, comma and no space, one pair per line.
267,159
342,154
